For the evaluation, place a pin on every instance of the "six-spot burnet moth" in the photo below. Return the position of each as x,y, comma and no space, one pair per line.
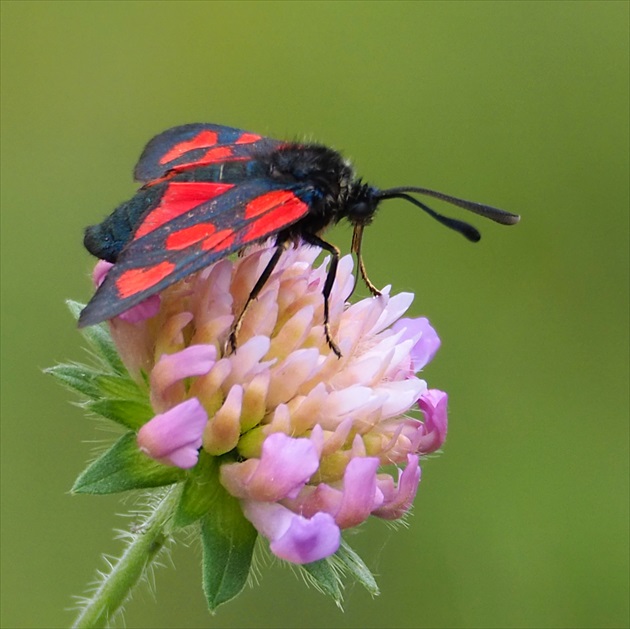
209,191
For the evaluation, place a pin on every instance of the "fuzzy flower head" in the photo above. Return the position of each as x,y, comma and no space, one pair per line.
308,443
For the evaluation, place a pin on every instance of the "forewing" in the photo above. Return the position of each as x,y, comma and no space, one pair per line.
197,144
248,213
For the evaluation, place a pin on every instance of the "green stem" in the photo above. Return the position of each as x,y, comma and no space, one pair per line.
130,567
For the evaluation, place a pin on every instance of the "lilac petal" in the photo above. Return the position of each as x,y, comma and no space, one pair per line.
143,311
427,342
172,369
308,540
284,467
350,505
433,404
195,360
399,500
360,494
311,500
100,271
285,464
293,537
174,437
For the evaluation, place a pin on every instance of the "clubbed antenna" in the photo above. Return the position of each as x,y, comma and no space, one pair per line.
467,230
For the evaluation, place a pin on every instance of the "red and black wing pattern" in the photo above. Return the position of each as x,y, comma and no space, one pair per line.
197,144
172,241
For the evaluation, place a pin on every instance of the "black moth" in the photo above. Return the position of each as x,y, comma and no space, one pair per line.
209,191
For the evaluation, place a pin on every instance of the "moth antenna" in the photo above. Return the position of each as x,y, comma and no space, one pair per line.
465,229
487,211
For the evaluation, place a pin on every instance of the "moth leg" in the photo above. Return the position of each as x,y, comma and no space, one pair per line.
316,241
357,237
262,280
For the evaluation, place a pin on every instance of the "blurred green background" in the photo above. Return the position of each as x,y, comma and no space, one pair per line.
523,521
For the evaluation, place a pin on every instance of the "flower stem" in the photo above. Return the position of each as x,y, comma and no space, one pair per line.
116,586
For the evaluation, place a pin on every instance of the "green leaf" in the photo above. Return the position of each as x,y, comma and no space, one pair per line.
124,467
354,565
325,577
130,413
99,338
201,490
79,378
228,540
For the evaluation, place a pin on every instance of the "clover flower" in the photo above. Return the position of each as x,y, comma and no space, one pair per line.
309,431
301,443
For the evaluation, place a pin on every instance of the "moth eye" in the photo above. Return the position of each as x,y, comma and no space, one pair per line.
360,209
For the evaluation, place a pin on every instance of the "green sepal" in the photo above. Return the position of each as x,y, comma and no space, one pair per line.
200,491
325,577
326,574
129,413
228,540
79,378
99,338
96,384
124,467
354,566
119,387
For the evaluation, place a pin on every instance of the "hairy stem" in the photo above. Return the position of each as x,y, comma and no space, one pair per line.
128,569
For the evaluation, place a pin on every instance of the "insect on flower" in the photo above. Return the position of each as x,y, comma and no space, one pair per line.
209,191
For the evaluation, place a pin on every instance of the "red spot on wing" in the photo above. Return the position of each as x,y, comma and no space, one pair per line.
135,281
189,236
214,156
179,198
268,201
219,241
218,154
248,138
201,140
204,233
276,210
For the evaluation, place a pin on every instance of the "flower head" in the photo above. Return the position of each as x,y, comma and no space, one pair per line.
309,443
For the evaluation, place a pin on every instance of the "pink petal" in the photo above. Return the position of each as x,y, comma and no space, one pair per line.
398,500
100,271
427,342
174,437
143,311
172,369
294,538
284,467
195,360
351,504
433,404
360,494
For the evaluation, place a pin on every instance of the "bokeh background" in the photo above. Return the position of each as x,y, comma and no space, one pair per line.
523,521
